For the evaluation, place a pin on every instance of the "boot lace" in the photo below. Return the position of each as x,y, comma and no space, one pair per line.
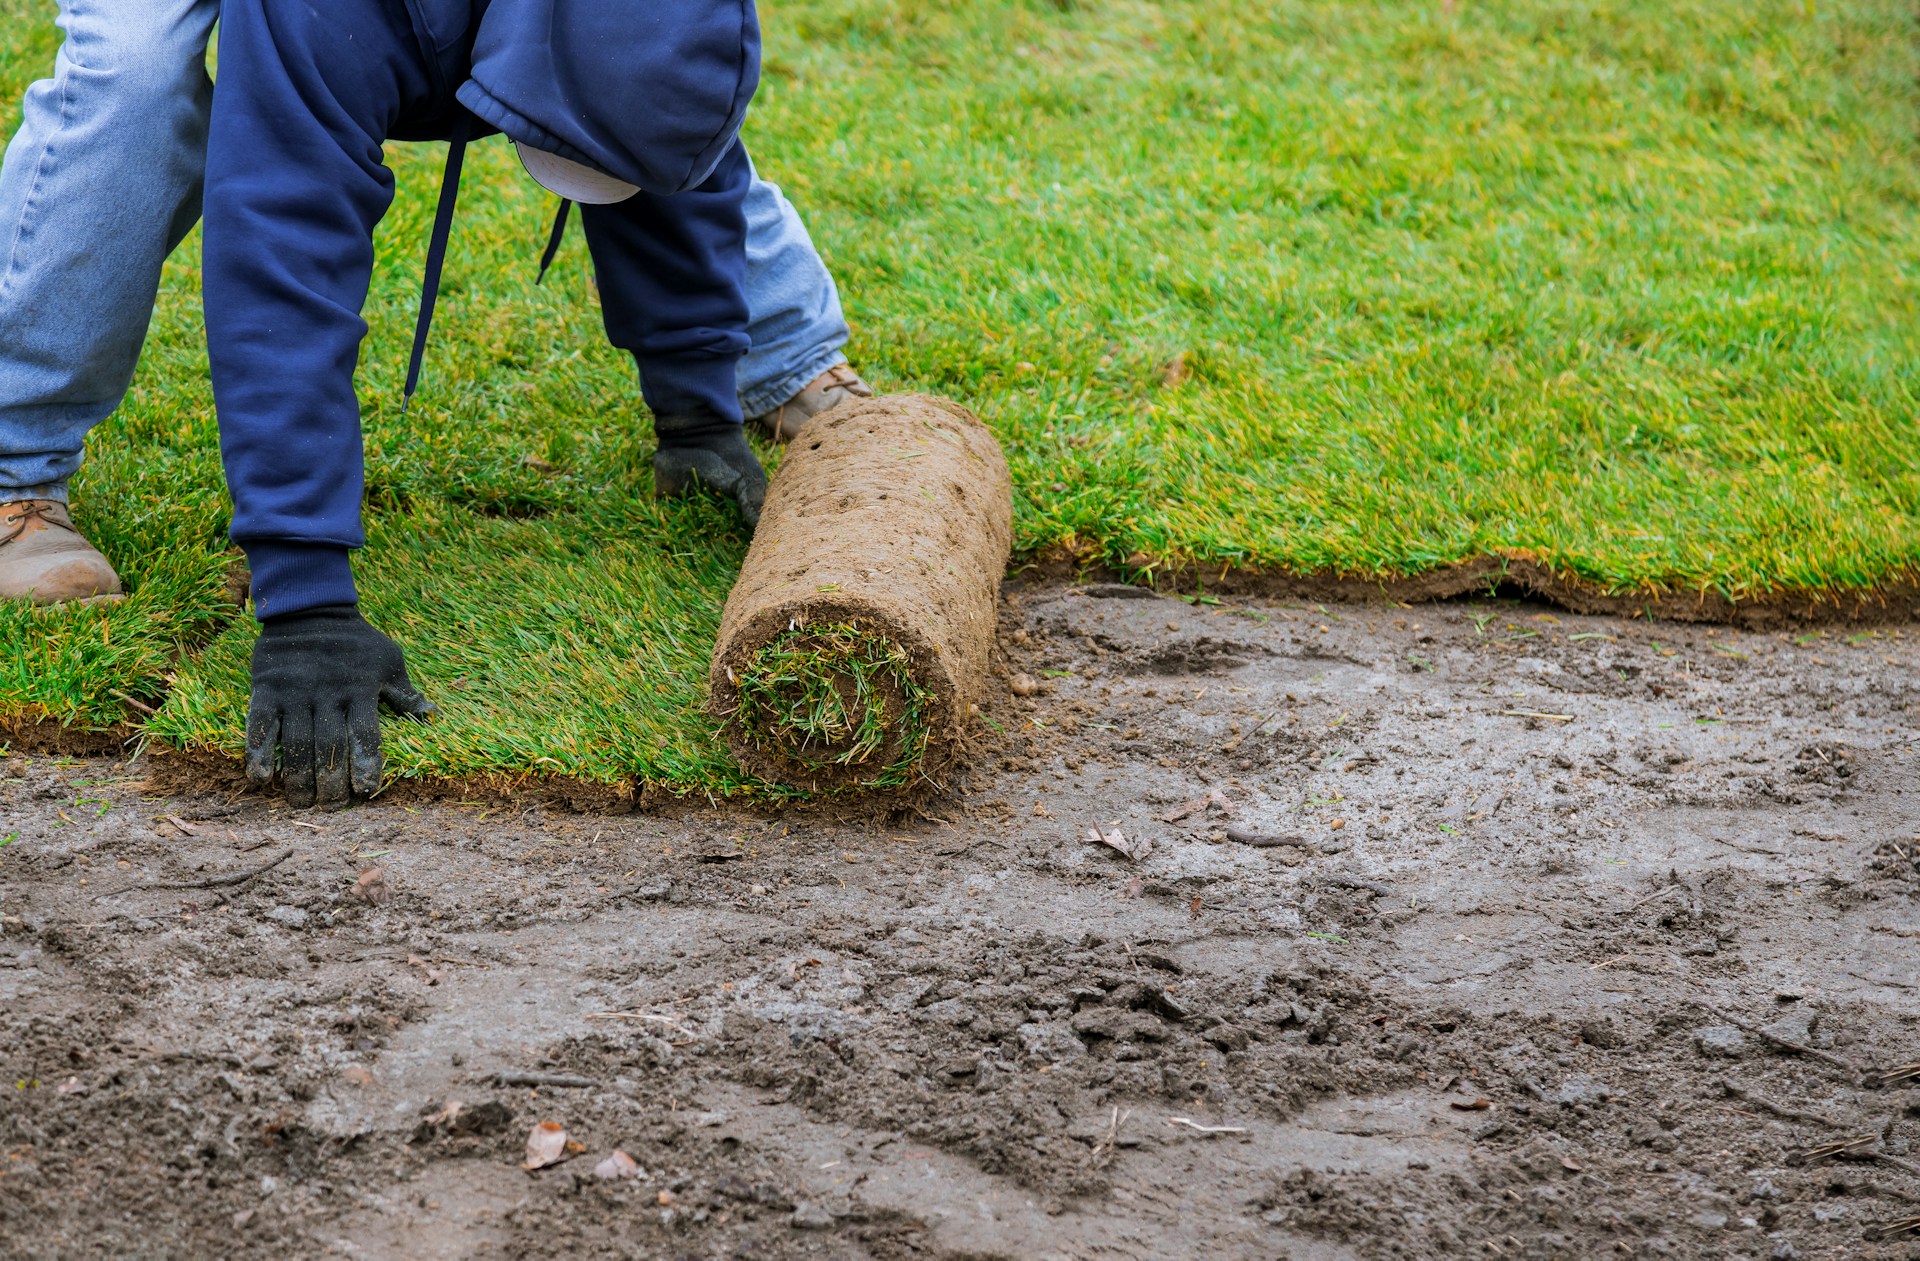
29,512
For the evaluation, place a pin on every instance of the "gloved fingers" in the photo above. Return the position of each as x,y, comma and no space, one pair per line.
296,757
678,472
403,697
752,497
263,739
673,473
332,757
363,731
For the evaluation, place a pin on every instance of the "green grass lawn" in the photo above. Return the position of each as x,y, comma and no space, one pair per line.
1627,288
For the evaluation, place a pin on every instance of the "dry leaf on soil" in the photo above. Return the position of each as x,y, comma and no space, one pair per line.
1116,840
1214,800
619,1165
548,1145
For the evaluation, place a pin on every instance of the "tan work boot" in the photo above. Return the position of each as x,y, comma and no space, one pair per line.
824,393
43,557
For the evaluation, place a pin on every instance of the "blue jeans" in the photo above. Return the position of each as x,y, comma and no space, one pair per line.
103,180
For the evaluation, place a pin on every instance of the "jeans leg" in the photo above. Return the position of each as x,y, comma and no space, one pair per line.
797,328
99,184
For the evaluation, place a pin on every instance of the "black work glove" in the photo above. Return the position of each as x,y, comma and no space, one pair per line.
318,679
701,449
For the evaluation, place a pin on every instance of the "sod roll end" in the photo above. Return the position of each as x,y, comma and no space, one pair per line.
857,639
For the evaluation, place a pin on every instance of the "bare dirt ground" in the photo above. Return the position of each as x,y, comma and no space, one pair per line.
1581,937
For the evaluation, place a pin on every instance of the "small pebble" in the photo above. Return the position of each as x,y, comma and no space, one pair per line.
1023,685
371,887
1723,1041
811,1217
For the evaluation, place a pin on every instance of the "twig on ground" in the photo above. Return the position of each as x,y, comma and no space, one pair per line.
233,881
140,705
1530,713
1660,893
1780,1110
978,840
570,1080
1235,743
651,889
1785,1044
642,1015
1745,849
1206,1129
1856,1146
1104,1149
1260,840
230,879
1899,1226
1892,1076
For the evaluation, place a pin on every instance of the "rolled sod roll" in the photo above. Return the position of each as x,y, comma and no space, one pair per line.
857,638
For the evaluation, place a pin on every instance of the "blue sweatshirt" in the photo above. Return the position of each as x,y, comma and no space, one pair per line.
649,92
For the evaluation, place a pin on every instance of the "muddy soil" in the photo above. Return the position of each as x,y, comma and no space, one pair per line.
1562,937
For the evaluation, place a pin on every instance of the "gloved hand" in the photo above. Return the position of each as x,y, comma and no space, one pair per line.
706,450
318,679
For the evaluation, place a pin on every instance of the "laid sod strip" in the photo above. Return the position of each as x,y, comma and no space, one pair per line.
568,646
855,644
1374,288
1368,289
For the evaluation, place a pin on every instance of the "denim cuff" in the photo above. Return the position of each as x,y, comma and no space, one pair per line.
56,491
295,577
765,397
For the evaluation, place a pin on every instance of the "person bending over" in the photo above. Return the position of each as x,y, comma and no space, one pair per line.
628,106
103,179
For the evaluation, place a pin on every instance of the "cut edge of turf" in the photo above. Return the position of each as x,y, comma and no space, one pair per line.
1894,599
200,771
176,771
182,770
35,732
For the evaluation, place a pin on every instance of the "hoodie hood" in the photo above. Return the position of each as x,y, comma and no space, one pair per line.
650,92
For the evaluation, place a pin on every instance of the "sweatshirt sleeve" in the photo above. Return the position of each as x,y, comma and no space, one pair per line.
295,187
